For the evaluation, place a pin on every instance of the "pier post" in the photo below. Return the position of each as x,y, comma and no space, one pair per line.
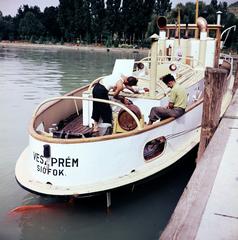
213,94
235,86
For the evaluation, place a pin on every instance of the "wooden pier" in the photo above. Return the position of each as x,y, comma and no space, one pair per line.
208,207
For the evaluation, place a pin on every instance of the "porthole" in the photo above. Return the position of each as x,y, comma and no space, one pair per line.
154,148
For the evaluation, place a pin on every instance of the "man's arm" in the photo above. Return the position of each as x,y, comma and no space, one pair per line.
132,89
117,89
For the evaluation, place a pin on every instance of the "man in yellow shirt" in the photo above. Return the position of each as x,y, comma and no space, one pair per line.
177,102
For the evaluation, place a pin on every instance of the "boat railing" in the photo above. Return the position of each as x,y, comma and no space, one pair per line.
190,61
182,78
230,60
76,98
184,70
191,78
94,82
227,57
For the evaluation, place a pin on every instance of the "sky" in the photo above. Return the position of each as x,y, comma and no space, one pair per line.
10,7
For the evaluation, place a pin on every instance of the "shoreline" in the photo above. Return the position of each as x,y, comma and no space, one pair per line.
5,44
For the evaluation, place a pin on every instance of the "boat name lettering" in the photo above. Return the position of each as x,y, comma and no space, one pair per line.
48,171
56,162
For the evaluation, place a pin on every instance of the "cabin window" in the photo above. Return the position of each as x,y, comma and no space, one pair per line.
154,148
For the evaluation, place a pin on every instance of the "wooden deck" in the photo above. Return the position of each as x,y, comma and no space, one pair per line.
76,126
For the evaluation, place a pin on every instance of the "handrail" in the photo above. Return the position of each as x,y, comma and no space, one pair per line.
227,57
93,82
228,29
90,99
166,59
171,59
230,59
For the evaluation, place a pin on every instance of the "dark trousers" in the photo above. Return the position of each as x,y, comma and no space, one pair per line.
102,110
161,113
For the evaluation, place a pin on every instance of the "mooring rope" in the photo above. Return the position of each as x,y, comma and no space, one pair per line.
178,134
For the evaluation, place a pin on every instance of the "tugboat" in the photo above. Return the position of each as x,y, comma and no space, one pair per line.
63,158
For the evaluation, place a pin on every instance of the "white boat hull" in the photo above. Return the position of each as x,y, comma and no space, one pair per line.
90,167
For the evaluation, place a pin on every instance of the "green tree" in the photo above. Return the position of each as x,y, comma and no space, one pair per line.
112,16
162,7
66,19
50,22
30,26
8,28
98,18
74,19
145,18
1,26
25,9
82,20
129,19
22,11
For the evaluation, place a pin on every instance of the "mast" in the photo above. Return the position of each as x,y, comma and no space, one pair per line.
218,40
179,27
196,17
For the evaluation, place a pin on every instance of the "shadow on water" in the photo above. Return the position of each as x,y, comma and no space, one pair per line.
137,212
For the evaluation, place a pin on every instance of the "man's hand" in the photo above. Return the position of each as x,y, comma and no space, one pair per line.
126,101
170,105
123,100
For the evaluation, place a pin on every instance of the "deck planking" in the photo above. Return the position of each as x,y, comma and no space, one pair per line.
76,126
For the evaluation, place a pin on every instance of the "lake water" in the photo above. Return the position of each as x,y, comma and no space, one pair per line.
29,76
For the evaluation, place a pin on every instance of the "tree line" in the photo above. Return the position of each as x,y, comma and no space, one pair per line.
110,22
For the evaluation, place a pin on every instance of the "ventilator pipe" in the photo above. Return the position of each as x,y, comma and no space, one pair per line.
161,23
202,24
219,17
154,60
